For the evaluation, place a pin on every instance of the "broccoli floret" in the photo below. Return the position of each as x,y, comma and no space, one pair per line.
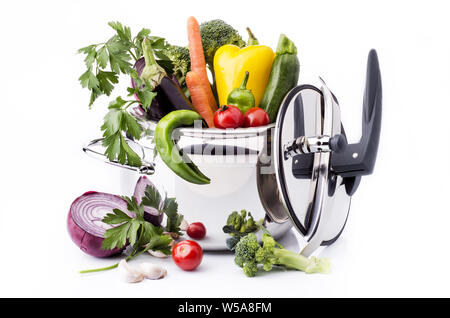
245,253
179,56
239,225
216,33
249,254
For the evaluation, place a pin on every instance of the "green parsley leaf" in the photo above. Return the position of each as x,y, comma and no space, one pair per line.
88,79
146,95
102,57
152,198
132,126
106,81
116,217
173,218
116,236
140,233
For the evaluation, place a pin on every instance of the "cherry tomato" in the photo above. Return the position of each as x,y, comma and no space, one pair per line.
255,117
228,116
196,230
187,254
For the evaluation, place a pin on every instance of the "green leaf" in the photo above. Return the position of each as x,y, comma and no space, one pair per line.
87,49
174,219
133,231
123,32
116,236
141,35
155,239
152,198
146,95
131,157
117,103
116,217
94,96
141,234
88,79
113,147
106,81
132,126
102,57
112,121
119,63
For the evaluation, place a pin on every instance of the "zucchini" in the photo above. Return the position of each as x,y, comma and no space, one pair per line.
283,77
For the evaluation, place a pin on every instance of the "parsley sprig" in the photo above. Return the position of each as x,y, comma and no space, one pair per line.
105,62
116,52
168,206
141,235
119,121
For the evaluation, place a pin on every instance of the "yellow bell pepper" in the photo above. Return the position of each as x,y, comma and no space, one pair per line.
231,63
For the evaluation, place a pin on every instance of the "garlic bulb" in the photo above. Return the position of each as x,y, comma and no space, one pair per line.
152,271
128,273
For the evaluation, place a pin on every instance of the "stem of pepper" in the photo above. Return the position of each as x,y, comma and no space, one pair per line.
244,82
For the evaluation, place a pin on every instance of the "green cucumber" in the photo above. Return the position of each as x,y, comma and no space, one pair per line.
283,77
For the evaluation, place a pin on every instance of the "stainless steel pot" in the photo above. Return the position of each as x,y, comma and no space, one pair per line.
297,172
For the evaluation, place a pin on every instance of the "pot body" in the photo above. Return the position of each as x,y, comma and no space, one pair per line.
231,159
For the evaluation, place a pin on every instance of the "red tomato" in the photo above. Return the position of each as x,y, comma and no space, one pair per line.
228,116
255,117
196,230
187,255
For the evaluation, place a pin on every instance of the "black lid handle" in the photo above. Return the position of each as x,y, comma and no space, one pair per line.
359,159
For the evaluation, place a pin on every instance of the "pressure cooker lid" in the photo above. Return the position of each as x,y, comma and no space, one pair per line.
308,129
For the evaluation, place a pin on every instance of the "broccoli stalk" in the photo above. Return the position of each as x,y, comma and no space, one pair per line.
249,254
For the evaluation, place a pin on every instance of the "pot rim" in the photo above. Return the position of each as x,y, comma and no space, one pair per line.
214,133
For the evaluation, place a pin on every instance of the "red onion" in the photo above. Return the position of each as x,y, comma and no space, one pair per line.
151,215
85,225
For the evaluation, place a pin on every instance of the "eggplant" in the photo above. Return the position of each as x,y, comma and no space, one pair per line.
170,95
174,94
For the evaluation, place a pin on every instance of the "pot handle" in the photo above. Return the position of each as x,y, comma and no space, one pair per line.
96,150
359,159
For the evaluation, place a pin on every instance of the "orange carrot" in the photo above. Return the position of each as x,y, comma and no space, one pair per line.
199,97
198,63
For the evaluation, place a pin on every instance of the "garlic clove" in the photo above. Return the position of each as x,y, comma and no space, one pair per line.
152,271
184,225
158,254
128,273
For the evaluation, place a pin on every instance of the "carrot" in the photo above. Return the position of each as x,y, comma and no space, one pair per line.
198,63
199,97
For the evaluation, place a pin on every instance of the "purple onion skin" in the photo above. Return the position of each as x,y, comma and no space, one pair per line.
150,214
88,243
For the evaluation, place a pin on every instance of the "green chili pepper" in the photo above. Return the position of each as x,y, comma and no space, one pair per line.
169,152
242,97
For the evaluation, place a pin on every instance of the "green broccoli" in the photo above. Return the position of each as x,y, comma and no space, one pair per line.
249,254
245,253
179,56
238,225
216,33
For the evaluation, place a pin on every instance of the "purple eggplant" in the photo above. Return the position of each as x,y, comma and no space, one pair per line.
169,96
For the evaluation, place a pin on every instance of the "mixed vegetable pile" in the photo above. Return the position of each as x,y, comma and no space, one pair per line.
103,225
170,85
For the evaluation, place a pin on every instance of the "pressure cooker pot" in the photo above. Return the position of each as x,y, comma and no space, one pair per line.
298,172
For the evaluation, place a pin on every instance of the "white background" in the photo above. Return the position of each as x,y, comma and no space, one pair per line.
396,242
